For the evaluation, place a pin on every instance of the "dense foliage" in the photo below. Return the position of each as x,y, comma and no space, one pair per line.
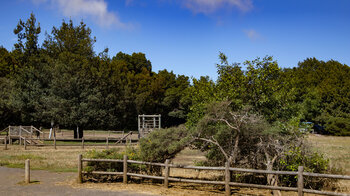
164,144
63,80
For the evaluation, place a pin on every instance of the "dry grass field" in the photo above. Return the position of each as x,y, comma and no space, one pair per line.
64,159
336,148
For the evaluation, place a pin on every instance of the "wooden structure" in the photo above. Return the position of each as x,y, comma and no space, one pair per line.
23,132
147,123
300,174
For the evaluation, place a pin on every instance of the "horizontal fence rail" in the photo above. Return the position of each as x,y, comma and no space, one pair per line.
29,141
166,178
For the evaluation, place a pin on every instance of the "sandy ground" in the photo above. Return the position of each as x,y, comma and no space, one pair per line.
49,183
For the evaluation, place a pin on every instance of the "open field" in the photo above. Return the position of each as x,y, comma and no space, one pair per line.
336,148
69,134
64,159
45,158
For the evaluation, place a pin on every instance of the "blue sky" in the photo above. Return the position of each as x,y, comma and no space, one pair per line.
186,35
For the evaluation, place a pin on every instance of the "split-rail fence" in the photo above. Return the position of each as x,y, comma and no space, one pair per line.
227,169
108,142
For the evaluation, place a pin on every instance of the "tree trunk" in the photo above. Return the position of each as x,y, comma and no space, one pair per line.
235,150
272,179
78,133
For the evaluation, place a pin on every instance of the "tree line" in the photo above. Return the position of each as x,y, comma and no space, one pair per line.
63,80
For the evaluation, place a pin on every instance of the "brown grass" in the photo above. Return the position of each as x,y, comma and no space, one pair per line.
45,158
335,148
65,159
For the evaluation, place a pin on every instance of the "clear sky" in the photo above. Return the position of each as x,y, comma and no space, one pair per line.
186,35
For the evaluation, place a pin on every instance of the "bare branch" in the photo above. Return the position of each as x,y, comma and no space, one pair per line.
215,143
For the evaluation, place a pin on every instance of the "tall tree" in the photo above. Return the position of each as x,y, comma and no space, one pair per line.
28,31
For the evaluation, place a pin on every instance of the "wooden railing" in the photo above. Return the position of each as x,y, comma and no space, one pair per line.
300,175
28,141
5,142
125,137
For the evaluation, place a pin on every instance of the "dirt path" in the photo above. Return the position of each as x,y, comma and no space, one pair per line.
48,183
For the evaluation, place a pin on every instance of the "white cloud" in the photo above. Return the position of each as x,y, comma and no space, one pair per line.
94,9
252,34
210,6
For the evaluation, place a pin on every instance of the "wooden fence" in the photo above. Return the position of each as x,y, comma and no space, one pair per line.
227,183
25,141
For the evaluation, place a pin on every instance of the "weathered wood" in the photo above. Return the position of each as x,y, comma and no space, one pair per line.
107,143
298,189
124,138
326,175
125,169
146,115
103,173
5,143
54,143
227,179
103,160
196,167
196,181
10,140
25,144
263,171
27,171
300,181
80,168
147,163
146,176
82,143
166,173
220,183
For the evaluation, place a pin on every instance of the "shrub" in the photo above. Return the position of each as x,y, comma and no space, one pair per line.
113,153
163,144
338,126
311,161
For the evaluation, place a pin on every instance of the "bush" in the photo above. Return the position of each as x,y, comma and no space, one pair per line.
311,161
338,126
158,146
163,144
113,153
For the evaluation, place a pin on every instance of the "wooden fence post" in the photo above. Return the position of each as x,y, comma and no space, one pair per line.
166,174
20,141
10,140
25,144
125,169
227,179
107,142
5,142
82,142
80,169
54,142
300,181
27,171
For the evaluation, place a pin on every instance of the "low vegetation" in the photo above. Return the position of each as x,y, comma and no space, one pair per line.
64,159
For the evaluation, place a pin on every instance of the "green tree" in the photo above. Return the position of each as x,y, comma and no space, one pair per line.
28,31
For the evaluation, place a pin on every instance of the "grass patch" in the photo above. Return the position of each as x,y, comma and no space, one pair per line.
73,142
64,159
335,148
